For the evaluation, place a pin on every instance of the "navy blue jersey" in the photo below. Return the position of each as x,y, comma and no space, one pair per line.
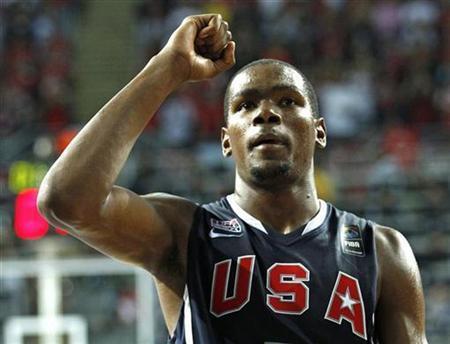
247,283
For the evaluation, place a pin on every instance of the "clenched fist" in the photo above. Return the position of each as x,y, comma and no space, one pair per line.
201,47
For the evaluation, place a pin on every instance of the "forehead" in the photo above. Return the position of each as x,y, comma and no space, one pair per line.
266,76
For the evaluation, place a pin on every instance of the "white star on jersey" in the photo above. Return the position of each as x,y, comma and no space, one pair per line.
347,301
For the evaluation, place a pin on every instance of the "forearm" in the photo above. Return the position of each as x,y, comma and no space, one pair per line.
82,177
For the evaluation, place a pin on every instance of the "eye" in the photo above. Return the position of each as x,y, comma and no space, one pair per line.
286,101
247,105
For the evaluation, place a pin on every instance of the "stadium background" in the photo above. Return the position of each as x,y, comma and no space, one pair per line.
381,70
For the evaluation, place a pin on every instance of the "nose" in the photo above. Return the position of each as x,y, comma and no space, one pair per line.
266,114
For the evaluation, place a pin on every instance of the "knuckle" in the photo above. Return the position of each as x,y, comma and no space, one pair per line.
189,20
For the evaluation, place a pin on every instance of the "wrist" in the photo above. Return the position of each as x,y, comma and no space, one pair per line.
172,69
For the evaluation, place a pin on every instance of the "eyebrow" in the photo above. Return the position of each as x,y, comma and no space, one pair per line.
254,92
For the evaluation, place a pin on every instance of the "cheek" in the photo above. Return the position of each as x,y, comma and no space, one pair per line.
238,141
304,138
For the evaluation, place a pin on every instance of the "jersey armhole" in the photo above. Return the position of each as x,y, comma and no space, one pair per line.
372,225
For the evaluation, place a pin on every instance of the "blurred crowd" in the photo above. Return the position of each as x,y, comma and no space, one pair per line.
373,63
381,70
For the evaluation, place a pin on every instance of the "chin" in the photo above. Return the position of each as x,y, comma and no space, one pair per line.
272,173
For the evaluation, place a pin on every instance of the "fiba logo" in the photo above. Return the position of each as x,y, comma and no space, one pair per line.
351,240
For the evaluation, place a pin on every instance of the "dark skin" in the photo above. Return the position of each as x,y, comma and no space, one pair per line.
271,134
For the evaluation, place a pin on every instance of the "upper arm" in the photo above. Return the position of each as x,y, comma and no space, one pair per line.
400,315
143,230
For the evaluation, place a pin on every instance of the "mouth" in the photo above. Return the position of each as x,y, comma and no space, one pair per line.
268,140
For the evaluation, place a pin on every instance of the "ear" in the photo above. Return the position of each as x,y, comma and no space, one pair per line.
225,139
321,132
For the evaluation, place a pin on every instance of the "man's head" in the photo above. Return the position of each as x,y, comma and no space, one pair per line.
272,123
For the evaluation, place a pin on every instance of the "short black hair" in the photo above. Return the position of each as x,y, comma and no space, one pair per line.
309,90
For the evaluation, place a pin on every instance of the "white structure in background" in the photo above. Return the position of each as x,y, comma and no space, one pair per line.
17,327
50,324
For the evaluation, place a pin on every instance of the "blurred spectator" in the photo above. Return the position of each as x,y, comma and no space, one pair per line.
177,121
347,104
402,143
207,97
438,308
385,17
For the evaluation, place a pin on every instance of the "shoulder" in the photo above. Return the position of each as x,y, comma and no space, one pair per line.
178,212
392,247
395,257
389,236
178,215
167,201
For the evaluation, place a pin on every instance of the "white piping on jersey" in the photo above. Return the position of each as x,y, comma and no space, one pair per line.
318,219
314,223
187,318
252,221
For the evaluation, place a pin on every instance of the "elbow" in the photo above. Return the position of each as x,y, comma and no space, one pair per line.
50,206
67,203
57,207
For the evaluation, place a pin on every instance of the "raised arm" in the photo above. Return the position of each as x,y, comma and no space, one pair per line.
78,192
400,315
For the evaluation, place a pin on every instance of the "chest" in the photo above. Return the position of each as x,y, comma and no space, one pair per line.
307,281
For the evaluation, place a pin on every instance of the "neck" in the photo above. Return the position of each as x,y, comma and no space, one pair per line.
284,209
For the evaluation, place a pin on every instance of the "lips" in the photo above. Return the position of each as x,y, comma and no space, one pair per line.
268,139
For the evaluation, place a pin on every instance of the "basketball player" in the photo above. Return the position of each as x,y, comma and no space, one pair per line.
270,263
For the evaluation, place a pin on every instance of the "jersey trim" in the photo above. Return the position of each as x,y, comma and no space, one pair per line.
318,219
187,318
252,221
314,223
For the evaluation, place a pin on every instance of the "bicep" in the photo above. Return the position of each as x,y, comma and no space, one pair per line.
136,229
400,315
